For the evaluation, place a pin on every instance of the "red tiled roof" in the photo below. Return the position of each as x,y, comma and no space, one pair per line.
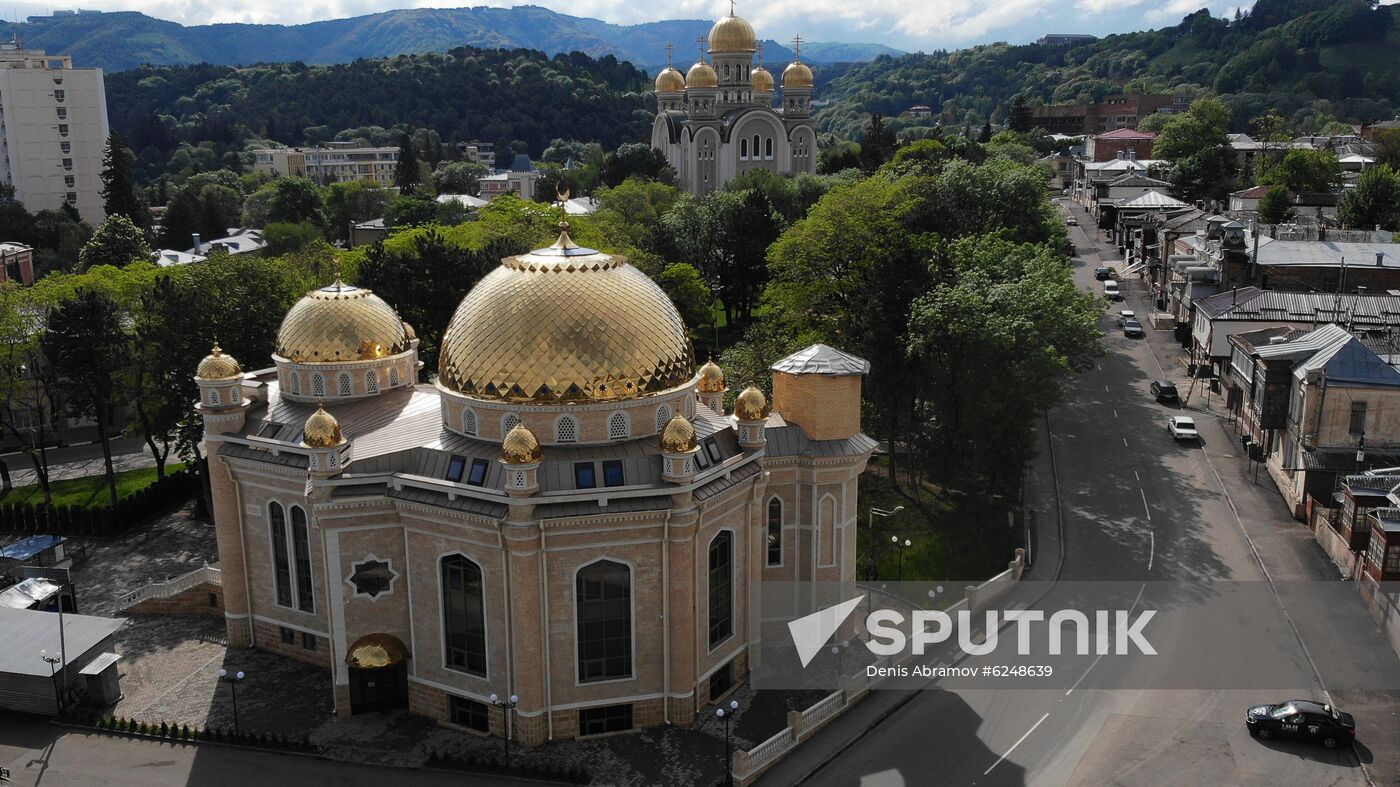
1126,133
1256,192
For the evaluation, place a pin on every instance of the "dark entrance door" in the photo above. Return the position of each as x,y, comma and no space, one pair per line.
379,689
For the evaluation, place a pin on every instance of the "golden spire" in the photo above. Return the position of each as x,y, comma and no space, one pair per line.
564,241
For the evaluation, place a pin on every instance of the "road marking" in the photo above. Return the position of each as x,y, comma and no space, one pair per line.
1151,548
1125,442
1017,743
1144,504
1136,476
1105,389
1095,662
1115,413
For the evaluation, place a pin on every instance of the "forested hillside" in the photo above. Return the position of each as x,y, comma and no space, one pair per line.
204,112
1313,60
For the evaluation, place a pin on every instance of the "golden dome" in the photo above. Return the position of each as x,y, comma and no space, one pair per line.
761,80
669,81
797,75
520,446
711,377
678,437
732,34
751,405
565,324
217,366
321,430
376,650
408,332
701,75
339,323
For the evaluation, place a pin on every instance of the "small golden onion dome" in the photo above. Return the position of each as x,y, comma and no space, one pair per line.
339,323
217,366
409,333
761,80
678,436
751,405
732,34
669,81
701,75
797,75
373,651
520,447
711,377
321,430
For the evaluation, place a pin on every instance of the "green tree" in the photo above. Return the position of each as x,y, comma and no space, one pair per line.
410,211
120,196
1387,147
1276,207
117,242
285,237
19,224
1018,119
687,289
726,234
1304,170
459,177
406,175
351,202
639,159
985,135
295,200
878,145
629,214
1375,202
1202,127
1208,174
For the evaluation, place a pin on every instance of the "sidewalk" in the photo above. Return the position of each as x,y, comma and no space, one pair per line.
79,461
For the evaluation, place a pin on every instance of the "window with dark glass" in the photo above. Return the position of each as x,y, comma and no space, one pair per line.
721,680
604,612
701,460
455,467
464,615
301,547
289,637
477,476
712,448
612,473
308,640
612,718
775,532
721,594
1358,418
372,577
584,476
281,568
469,713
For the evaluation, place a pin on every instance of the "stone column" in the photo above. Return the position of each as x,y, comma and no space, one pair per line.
528,629
680,627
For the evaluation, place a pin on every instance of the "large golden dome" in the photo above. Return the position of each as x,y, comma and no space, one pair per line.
732,34
701,75
761,80
797,75
339,323
669,81
218,366
565,323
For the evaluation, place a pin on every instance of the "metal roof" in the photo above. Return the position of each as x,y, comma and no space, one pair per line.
1252,303
1351,362
1136,179
1307,345
26,549
1155,199
27,632
1326,252
821,359
27,593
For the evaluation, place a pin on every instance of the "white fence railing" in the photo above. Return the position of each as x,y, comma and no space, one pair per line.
205,574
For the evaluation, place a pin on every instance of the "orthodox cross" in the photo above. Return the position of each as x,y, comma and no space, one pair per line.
758,53
670,50
797,47
731,7
701,40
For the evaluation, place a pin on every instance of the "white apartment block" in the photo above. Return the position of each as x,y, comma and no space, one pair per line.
53,131
330,164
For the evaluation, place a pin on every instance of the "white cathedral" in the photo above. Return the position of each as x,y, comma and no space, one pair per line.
718,120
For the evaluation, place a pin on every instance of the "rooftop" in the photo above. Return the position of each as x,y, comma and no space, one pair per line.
1126,133
821,359
1252,303
27,632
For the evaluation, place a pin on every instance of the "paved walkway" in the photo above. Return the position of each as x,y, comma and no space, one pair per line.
82,460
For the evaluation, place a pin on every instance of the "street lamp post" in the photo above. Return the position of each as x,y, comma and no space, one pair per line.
233,681
506,707
870,528
53,662
839,651
728,748
900,548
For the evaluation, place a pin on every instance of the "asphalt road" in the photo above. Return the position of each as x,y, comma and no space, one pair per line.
1139,507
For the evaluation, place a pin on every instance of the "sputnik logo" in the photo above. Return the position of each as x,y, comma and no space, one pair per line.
810,632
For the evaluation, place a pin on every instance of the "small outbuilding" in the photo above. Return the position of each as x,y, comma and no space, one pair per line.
29,681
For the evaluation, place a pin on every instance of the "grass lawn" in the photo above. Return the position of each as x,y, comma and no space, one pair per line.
89,490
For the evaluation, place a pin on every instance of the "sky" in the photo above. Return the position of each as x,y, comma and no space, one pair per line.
914,25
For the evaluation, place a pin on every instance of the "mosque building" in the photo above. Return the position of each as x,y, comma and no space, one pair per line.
718,121
565,513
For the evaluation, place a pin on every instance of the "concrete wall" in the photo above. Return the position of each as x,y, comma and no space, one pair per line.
195,600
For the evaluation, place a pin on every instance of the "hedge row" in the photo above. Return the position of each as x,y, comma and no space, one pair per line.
491,764
158,498
183,732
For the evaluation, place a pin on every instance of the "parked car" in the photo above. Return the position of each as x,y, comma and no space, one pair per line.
1163,391
1305,719
1102,274
1182,428
1133,329
1071,222
1124,315
1110,289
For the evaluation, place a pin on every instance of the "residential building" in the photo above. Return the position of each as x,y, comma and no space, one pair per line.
17,263
53,131
1382,556
1249,151
240,240
519,179
1119,111
1090,174
334,163
1118,144
1247,200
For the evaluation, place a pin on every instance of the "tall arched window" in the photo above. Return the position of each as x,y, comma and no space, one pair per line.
827,521
566,430
743,148
301,553
281,567
721,591
775,532
617,427
469,422
663,417
463,616
318,385
603,601
755,146
393,376
345,385
296,383
372,381
768,147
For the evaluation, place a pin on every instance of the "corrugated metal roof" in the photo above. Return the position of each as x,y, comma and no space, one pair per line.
1136,179
1155,199
791,440
1305,346
27,593
27,548
1252,303
1329,253
625,505
27,632
720,484
822,359
1352,362
468,505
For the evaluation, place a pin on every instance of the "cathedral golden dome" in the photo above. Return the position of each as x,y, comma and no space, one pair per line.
797,75
321,430
678,436
217,366
565,323
669,81
520,446
701,75
711,377
339,323
761,80
751,405
732,34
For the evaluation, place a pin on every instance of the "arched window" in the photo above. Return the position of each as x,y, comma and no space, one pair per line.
768,147
617,427
603,607
469,422
508,423
775,532
318,386
826,519
721,590
463,616
393,376
726,70
296,383
755,146
743,148
214,396
345,385
566,429
233,396
663,417
281,567
372,382
301,554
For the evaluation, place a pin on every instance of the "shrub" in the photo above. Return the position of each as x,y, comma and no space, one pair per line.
164,730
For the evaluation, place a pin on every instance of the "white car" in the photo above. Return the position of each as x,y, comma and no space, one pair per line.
1124,315
1182,428
1071,222
1111,291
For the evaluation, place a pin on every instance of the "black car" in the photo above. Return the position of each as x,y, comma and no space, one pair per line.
1103,274
1133,329
1303,719
1163,391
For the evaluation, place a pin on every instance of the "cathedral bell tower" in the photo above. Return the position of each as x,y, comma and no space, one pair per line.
732,45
